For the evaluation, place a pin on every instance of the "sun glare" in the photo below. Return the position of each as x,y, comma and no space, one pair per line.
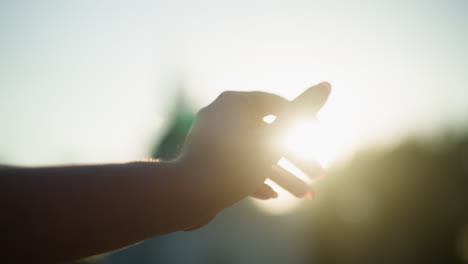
310,140
285,203
286,164
313,141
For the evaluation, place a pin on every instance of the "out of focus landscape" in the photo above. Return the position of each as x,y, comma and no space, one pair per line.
115,81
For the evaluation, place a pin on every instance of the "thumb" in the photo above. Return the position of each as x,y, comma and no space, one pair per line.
309,102
305,106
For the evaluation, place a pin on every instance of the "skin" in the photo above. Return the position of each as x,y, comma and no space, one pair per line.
59,214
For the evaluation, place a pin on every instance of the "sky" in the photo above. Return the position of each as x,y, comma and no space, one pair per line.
95,81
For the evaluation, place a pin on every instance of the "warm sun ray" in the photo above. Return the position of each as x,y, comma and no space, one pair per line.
310,140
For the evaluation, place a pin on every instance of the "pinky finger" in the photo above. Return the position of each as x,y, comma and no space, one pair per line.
264,192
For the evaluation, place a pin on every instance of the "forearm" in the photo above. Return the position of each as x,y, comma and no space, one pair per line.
78,211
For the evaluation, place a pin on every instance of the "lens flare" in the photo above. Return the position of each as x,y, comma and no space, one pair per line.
312,141
308,140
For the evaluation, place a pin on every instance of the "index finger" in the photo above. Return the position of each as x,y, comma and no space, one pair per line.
304,107
313,99
308,103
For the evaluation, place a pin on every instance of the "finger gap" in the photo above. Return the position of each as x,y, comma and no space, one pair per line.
293,169
269,119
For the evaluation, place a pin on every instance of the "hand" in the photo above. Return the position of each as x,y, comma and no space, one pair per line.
231,150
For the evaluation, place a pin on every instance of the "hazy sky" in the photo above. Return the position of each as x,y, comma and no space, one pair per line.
93,81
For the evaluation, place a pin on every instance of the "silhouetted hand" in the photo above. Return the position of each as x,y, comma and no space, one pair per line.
231,151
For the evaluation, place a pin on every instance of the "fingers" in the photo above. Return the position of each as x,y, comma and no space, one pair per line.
291,183
312,100
264,192
266,103
311,168
307,104
303,108
248,106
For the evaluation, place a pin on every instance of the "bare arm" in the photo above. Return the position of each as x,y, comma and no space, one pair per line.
65,213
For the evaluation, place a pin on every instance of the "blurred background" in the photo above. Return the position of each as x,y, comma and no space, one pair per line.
113,81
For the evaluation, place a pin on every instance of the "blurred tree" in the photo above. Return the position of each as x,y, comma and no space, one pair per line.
182,119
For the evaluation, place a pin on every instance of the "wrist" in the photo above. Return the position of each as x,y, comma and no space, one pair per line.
214,179
193,191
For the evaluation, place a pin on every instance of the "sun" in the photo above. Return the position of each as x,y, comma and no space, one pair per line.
311,140
314,140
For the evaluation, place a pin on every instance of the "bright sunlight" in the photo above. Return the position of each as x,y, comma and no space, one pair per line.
310,140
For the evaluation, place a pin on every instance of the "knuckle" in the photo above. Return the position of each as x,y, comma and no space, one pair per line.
203,111
227,103
226,95
231,99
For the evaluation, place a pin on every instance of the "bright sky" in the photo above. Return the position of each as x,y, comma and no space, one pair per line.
92,81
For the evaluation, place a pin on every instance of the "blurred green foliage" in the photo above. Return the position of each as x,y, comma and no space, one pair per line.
171,143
